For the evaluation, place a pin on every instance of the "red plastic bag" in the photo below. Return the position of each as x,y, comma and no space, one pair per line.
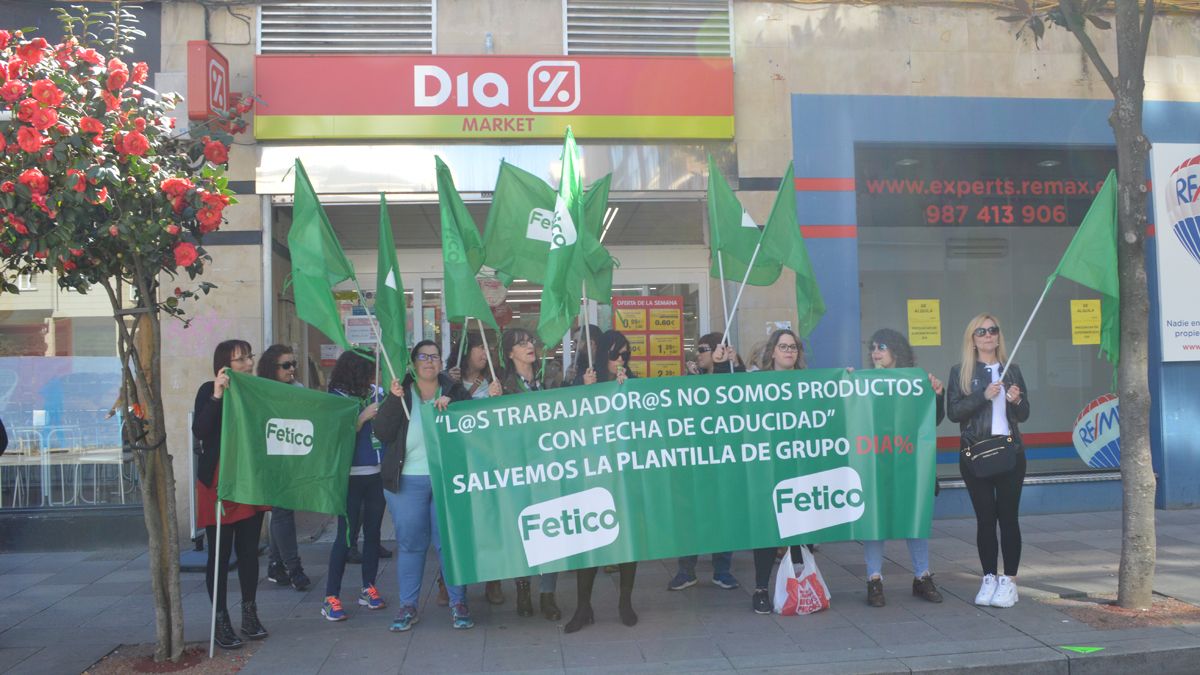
800,589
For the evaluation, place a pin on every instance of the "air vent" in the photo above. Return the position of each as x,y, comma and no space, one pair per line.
349,26
981,247
684,28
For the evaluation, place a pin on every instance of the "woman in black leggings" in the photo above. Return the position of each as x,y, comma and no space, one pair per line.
987,397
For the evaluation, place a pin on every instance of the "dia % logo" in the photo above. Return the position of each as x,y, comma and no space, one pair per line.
553,86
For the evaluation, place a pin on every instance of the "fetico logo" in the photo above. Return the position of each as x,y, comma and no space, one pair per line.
545,225
540,222
817,501
289,437
566,526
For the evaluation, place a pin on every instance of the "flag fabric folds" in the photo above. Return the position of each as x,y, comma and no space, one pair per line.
285,446
560,295
390,306
1091,260
318,262
783,242
462,254
734,234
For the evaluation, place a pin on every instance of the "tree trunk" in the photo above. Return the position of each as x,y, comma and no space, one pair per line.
1136,578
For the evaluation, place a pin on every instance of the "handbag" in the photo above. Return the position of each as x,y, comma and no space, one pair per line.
800,589
991,456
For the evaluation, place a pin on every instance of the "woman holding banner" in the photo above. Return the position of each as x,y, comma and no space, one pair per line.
354,377
407,487
240,523
782,352
614,348
519,351
986,396
890,349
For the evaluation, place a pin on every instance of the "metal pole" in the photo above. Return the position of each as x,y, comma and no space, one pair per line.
212,628
738,299
1017,346
379,341
486,350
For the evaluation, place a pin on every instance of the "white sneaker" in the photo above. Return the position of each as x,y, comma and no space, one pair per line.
1006,593
986,591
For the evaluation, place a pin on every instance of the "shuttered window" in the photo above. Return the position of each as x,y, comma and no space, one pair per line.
362,26
681,27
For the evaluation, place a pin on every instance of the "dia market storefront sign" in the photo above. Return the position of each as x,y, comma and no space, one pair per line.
400,96
657,468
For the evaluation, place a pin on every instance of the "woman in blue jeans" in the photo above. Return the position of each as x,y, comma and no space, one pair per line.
406,483
354,376
890,349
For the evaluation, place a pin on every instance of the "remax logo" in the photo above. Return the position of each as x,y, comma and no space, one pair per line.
565,526
817,501
554,86
1183,205
289,437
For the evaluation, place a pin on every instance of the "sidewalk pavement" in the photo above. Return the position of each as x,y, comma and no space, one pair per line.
63,611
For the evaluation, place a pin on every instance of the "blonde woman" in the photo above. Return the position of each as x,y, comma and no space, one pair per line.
987,397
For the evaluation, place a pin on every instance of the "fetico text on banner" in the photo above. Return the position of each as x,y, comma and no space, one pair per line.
657,468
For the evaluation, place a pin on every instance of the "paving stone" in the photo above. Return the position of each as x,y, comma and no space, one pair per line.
292,655
1031,661
11,657
601,654
522,659
365,652
744,644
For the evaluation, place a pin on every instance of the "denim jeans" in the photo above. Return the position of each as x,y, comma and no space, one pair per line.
415,518
721,563
282,531
918,551
365,495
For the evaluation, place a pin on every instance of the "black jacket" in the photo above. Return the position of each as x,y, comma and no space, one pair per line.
391,427
973,411
206,427
3,438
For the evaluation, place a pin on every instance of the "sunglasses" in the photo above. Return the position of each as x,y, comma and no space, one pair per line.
990,330
623,356
879,347
786,348
288,365
703,350
422,356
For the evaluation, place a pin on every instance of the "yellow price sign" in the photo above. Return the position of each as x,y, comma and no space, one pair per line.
631,319
638,367
665,319
666,345
665,368
1085,322
925,323
637,344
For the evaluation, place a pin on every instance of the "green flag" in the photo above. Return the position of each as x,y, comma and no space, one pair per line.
560,295
783,242
462,254
734,235
598,264
390,307
285,446
1091,259
318,263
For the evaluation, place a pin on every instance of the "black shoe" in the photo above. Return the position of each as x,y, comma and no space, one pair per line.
384,553
252,628
354,557
550,610
225,637
924,588
278,574
875,592
625,610
583,616
300,580
761,601
524,599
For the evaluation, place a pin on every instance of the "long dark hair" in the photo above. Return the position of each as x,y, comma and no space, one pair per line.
353,374
897,344
412,358
712,341
268,363
473,340
608,347
223,354
511,337
768,354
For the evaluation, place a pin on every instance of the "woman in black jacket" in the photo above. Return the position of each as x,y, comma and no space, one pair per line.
987,397
406,484
614,349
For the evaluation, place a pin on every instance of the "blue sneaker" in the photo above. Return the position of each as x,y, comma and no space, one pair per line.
461,616
369,598
405,620
725,580
332,609
682,581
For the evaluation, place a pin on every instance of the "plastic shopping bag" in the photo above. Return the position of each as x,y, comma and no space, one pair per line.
800,589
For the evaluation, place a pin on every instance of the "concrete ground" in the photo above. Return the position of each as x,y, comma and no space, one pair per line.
63,611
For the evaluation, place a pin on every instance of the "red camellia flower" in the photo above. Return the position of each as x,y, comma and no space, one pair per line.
30,139
136,143
5,36
118,75
140,72
80,180
214,200
91,125
89,55
8,186
185,254
111,102
17,223
176,187
48,93
44,118
101,196
216,152
172,230
31,52
26,109
12,90
3,143
35,180
210,219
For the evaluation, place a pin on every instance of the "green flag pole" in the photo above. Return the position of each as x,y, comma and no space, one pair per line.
587,327
462,341
745,278
486,350
378,339
1013,354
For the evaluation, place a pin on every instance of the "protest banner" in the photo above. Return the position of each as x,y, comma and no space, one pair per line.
656,468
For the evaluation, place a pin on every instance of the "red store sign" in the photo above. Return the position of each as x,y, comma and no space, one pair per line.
207,81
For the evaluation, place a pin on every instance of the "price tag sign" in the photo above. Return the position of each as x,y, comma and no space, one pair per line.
665,345
666,319
630,320
637,344
654,326
665,368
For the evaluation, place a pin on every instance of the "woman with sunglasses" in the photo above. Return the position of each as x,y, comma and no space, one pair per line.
407,487
987,397
278,362
518,350
614,349
890,349
240,523
782,352
354,377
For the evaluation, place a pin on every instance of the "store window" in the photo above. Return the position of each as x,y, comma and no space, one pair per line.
962,230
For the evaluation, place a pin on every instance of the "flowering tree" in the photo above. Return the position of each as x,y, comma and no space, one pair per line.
97,187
